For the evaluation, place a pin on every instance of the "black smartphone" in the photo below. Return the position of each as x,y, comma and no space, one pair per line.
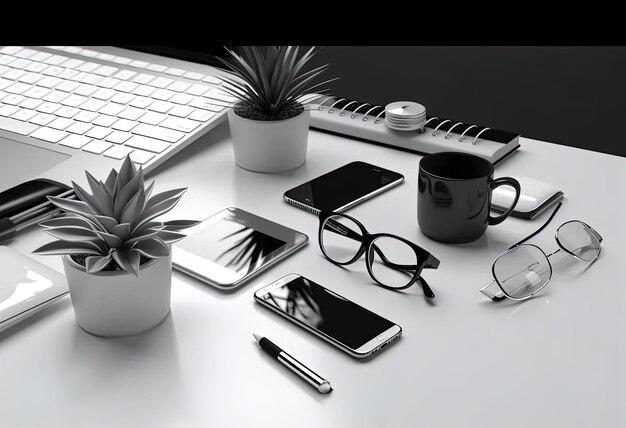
350,327
343,187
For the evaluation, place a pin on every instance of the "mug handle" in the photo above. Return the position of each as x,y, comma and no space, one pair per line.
505,181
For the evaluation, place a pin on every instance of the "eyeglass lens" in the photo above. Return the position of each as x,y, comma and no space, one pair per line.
392,261
522,271
577,238
341,238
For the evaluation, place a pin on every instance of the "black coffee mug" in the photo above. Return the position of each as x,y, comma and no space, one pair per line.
454,196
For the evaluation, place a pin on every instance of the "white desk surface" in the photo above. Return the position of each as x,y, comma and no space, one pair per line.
558,360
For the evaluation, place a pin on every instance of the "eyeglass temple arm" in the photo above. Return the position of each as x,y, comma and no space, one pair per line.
497,294
428,292
540,229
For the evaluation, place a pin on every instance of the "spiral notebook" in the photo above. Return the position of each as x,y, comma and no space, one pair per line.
366,122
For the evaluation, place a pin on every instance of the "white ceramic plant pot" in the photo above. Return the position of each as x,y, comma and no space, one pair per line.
117,303
269,145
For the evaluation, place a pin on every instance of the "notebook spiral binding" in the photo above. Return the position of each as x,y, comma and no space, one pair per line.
354,107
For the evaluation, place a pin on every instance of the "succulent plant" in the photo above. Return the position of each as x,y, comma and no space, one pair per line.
270,81
114,226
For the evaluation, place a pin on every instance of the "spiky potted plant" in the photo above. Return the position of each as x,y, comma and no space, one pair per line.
269,124
117,257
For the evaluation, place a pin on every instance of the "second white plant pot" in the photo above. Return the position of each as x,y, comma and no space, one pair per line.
269,146
118,303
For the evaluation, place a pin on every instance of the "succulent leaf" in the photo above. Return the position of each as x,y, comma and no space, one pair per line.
112,241
176,225
170,237
72,206
153,248
157,210
110,181
108,222
68,220
66,247
97,263
72,233
127,172
126,194
134,207
102,196
127,260
122,231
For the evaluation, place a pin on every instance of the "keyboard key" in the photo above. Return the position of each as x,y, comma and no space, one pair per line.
179,86
218,94
161,82
73,49
181,98
75,141
6,59
204,103
140,157
162,94
144,90
105,56
118,137
181,111
40,56
139,64
88,78
143,78
131,113
122,60
42,119
126,86
152,118
141,102
67,112
112,109
36,67
103,94
105,70
21,63
88,67
177,124
74,100
105,120
170,136
30,103
55,96
149,144
197,89
30,78
56,59
97,147
67,86
16,126
60,123
11,50
36,92
118,152
49,82
53,70
161,106
13,99
175,71
48,134
79,128
124,125
25,53
3,94
201,115
122,98
125,74
193,76
108,82
211,79
72,63
68,73
5,83
24,114
86,116
17,88
89,52
85,90
98,132
48,108
8,110
93,105
157,68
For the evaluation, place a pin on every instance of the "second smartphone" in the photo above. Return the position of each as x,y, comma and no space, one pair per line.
350,327
343,187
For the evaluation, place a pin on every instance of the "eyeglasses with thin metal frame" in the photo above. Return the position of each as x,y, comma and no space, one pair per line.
329,222
533,282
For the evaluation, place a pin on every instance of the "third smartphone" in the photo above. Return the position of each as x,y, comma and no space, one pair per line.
350,327
343,187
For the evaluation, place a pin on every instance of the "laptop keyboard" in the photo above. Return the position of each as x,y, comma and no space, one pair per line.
105,108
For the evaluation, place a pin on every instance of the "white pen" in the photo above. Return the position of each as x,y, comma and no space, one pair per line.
294,365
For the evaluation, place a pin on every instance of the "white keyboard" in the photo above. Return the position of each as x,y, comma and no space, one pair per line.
114,107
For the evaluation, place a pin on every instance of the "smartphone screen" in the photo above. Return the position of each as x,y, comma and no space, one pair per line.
344,187
327,312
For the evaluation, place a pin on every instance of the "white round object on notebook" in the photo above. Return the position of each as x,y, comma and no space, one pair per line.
405,109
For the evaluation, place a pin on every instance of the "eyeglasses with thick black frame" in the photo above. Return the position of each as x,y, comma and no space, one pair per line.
527,277
330,222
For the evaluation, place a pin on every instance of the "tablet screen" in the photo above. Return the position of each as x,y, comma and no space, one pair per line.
231,245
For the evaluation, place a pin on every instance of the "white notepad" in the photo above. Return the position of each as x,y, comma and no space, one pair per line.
26,287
